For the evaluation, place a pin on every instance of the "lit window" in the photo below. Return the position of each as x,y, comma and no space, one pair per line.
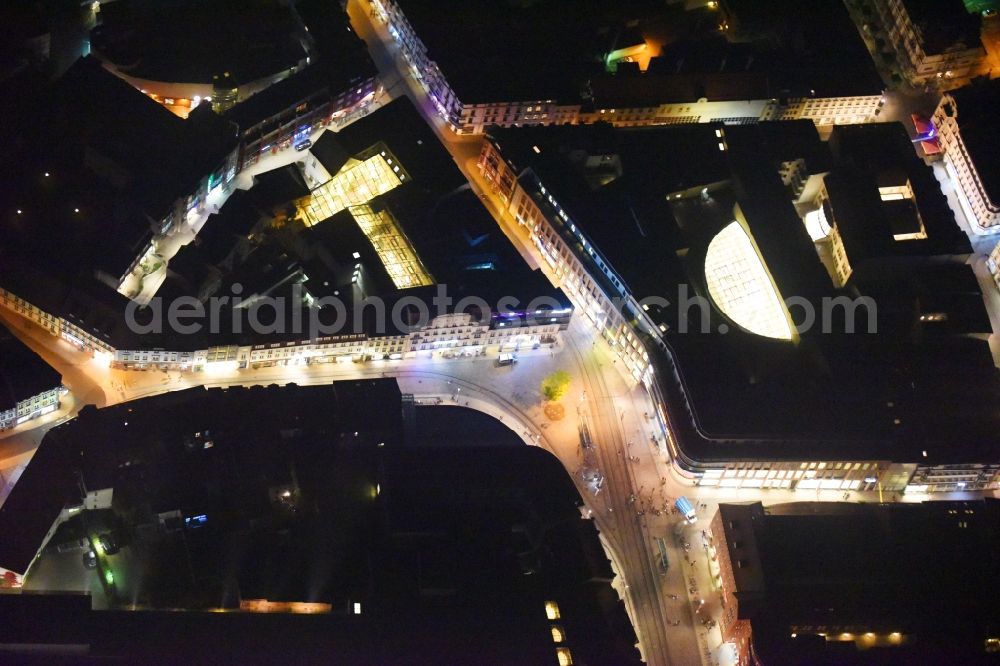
557,634
564,656
817,225
552,610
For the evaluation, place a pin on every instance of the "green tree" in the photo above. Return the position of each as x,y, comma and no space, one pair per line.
554,386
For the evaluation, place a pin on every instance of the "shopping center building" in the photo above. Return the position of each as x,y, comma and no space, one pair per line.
692,242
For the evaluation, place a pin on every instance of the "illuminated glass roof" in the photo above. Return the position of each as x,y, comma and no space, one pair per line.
356,184
394,249
739,284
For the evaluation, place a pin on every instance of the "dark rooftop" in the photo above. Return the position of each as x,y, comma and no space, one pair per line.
484,48
341,237
773,50
47,484
853,567
943,23
884,151
278,187
330,153
116,163
801,51
222,230
190,41
825,396
342,60
859,215
424,537
821,52
401,127
342,54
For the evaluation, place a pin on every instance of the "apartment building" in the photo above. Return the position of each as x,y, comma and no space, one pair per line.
965,124
935,42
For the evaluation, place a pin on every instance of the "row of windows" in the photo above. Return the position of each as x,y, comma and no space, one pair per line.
577,279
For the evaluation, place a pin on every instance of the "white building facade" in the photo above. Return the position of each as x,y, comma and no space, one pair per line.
980,209
32,408
445,336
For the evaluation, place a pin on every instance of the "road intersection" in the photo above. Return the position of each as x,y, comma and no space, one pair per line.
624,479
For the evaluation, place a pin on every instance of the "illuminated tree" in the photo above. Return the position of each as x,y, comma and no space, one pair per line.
554,386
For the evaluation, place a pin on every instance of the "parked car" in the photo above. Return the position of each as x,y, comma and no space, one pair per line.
110,543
